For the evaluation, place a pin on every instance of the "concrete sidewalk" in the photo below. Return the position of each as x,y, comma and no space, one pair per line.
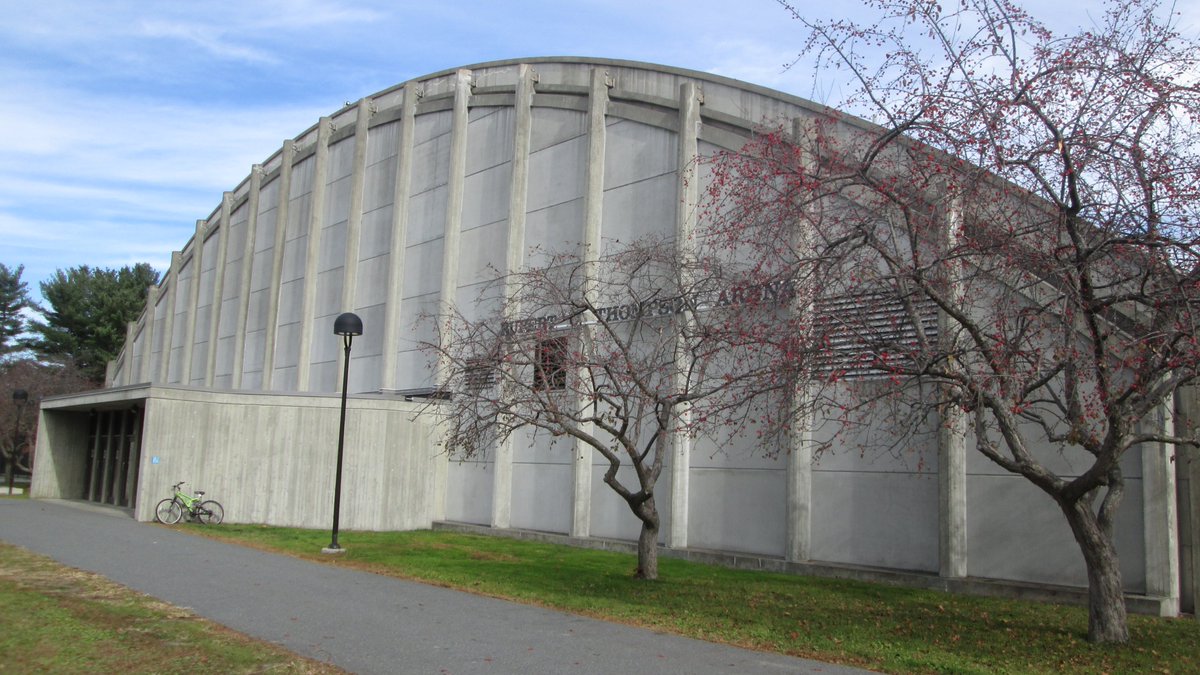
362,622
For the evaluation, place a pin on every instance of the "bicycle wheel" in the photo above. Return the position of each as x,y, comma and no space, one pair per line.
210,512
168,512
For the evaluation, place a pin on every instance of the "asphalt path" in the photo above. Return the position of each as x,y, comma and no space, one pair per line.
362,622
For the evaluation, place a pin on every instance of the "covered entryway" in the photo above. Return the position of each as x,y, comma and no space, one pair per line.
89,446
113,448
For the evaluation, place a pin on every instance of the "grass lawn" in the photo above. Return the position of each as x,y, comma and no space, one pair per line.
874,626
61,620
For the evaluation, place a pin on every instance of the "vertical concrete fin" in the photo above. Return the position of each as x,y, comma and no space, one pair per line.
171,286
799,493
454,206
686,199
287,160
214,314
1159,511
129,366
243,309
518,192
952,459
593,212
354,219
519,184
316,219
146,372
400,198
189,335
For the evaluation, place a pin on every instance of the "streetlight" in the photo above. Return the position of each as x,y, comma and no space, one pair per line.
347,325
20,398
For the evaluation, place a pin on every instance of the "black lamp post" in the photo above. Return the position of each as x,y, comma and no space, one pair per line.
347,325
20,398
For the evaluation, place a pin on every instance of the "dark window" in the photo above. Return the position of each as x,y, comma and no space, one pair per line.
550,370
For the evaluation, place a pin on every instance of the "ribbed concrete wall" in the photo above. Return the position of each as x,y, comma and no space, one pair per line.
402,204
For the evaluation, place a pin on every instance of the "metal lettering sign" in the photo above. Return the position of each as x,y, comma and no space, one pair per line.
772,292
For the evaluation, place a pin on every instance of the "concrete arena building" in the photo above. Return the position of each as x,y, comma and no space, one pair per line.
394,208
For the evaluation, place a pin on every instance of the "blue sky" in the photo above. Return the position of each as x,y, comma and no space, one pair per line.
123,122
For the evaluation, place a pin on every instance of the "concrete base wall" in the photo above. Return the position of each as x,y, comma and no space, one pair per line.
267,458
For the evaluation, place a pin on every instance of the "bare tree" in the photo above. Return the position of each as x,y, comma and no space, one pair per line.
1010,252
620,354
19,418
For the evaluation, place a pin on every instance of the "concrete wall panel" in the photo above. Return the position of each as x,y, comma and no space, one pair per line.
638,151
725,502
735,449
370,343
881,520
490,140
379,182
552,230
639,209
556,174
431,125
485,198
481,260
332,252
423,269
1015,531
325,376
376,235
381,145
337,203
479,301
373,281
552,126
427,216
611,517
287,345
542,497
290,295
469,492
431,161
329,292
341,160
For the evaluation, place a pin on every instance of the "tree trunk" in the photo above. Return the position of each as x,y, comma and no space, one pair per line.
648,550
647,512
1107,620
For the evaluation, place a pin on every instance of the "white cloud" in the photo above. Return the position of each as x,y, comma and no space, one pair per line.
211,39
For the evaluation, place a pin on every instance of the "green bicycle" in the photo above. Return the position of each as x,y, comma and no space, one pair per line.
171,510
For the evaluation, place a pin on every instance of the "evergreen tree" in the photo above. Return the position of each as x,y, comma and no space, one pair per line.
87,313
14,297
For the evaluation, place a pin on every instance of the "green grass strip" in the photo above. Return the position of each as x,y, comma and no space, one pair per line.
61,620
876,626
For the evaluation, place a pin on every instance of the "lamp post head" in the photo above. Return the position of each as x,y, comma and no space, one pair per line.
348,325
20,397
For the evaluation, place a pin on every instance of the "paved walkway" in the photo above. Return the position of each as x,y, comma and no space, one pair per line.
362,622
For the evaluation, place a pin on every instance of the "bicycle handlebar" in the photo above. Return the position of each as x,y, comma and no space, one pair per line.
178,485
